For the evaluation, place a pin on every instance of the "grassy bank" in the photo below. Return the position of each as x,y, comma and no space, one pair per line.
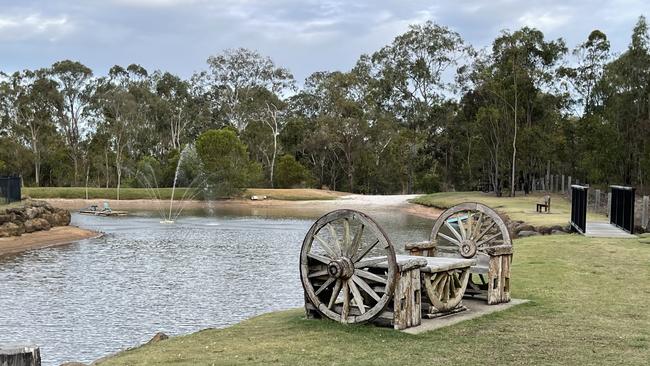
165,193
517,208
590,306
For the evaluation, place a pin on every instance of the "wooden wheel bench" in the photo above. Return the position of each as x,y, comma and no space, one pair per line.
473,230
350,274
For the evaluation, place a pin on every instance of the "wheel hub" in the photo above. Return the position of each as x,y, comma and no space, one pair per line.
467,248
341,268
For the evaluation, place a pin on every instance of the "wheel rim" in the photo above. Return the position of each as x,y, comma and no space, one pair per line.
348,267
469,229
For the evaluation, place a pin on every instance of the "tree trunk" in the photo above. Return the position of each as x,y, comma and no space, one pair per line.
514,138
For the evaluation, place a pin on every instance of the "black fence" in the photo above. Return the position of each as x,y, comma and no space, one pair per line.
621,212
579,208
10,189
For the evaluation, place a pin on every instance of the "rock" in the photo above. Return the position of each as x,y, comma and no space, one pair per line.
160,336
527,233
11,229
36,225
33,212
5,218
544,230
523,227
558,232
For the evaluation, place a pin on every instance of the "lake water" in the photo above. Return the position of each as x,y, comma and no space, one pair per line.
211,269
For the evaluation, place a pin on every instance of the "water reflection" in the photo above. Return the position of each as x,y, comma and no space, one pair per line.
212,268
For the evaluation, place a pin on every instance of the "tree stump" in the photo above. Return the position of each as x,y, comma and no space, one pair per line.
20,355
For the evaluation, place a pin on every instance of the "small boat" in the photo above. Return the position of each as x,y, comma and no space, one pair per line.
106,211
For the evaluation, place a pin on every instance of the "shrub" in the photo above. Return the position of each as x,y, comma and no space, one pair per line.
290,173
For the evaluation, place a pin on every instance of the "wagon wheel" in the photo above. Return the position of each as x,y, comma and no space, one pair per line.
339,267
473,228
445,289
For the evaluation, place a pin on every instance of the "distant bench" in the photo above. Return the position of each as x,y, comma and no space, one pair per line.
544,204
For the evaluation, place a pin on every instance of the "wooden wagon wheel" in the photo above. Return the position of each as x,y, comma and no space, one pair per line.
338,267
474,227
445,289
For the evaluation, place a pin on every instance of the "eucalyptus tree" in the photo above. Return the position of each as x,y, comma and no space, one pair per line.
75,85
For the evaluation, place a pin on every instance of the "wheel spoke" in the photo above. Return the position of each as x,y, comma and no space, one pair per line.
452,286
477,227
325,246
324,285
335,294
453,231
347,242
470,218
346,303
318,273
360,255
335,239
370,262
441,285
365,287
489,239
319,258
457,282
485,231
452,240
445,291
358,299
356,242
369,276
461,227
437,279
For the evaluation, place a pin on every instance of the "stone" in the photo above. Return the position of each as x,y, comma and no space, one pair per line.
524,227
558,232
38,224
544,230
11,229
160,336
527,233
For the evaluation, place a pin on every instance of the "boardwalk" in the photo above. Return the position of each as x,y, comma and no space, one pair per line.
606,230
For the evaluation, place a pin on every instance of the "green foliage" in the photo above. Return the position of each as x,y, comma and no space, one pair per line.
291,174
226,163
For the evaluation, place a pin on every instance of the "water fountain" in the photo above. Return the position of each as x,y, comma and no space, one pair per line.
147,177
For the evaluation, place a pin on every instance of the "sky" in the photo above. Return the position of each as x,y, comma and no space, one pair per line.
302,35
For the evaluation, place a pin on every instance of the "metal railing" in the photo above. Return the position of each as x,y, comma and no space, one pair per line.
579,208
10,189
621,212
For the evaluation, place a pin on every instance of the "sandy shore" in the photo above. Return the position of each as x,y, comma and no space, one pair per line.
59,235
358,202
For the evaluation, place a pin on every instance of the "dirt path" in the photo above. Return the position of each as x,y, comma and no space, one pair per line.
353,201
59,235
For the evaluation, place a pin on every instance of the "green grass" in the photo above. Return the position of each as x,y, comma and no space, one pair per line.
165,193
590,305
517,208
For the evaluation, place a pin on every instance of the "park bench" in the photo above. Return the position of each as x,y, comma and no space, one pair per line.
545,204
351,274
473,231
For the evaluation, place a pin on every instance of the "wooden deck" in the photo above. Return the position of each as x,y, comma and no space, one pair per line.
606,230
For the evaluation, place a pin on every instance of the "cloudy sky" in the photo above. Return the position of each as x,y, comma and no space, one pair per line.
303,35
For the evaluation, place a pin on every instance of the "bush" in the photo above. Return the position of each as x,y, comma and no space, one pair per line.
289,173
226,163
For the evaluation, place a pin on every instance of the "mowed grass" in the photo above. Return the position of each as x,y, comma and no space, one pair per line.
590,305
166,193
517,208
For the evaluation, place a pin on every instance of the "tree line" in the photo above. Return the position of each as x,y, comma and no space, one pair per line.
426,112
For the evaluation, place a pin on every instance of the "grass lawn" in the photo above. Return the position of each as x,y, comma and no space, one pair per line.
165,193
590,305
517,208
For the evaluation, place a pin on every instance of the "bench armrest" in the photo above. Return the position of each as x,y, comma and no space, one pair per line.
499,250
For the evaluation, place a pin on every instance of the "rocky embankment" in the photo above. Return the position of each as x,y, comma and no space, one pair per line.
31,216
520,229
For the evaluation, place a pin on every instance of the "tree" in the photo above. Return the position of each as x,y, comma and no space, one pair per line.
225,160
74,84
291,173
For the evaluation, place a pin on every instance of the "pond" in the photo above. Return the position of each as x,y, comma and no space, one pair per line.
211,269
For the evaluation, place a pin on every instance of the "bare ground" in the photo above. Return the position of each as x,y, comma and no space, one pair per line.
59,235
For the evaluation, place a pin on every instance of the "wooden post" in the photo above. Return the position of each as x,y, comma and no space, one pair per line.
609,204
645,212
569,186
20,355
597,200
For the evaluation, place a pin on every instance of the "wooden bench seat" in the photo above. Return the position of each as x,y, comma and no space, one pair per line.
545,204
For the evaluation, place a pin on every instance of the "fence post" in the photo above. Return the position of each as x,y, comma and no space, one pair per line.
563,184
569,187
597,200
609,204
644,212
